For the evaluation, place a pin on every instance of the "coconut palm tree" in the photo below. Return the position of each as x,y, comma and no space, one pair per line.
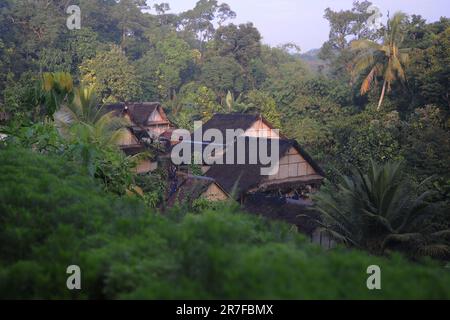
385,60
83,114
378,211
93,139
54,90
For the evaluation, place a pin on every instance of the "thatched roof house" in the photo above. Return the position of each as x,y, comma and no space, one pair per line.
194,187
253,125
147,116
297,170
298,173
148,121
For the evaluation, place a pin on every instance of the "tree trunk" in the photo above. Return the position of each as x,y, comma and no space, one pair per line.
122,42
382,95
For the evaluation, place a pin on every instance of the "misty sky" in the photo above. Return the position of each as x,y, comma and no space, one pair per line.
302,22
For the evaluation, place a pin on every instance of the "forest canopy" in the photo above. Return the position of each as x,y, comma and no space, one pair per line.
371,107
199,62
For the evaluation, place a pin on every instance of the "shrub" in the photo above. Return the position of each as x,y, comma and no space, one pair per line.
53,215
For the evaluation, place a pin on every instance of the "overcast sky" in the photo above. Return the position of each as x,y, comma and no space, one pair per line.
302,22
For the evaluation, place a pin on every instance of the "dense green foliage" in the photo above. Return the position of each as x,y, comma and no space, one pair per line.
60,203
197,63
381,210
54,216
111,75
85,146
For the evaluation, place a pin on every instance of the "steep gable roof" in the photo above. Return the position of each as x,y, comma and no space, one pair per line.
240,178
133,150
231,121
138,112
141,112
191,188
234,121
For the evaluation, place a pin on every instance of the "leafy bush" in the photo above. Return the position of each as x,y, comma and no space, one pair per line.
153,185
54,216
102,161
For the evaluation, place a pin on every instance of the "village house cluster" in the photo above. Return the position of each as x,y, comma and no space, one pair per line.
285,195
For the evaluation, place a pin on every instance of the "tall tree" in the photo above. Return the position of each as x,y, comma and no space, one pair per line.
430,71
34,26
165,67
128,14
200,20
242,42
348,23
112,76
386,60
345,26
223,74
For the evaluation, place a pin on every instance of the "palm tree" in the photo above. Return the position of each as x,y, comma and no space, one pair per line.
94,138
83,117
385,60
54,90
378,211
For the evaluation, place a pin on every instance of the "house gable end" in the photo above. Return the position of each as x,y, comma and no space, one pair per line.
293,165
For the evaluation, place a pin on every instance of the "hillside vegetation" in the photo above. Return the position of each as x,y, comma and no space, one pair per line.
54,215
375,115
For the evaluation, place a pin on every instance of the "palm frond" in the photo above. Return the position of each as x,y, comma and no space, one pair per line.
377,208
364,44
365,87
338,237
398,68
401,238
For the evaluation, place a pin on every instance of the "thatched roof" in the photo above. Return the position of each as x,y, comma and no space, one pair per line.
140,133
239,178
190,188
223,122
133,150
234,121
138,112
